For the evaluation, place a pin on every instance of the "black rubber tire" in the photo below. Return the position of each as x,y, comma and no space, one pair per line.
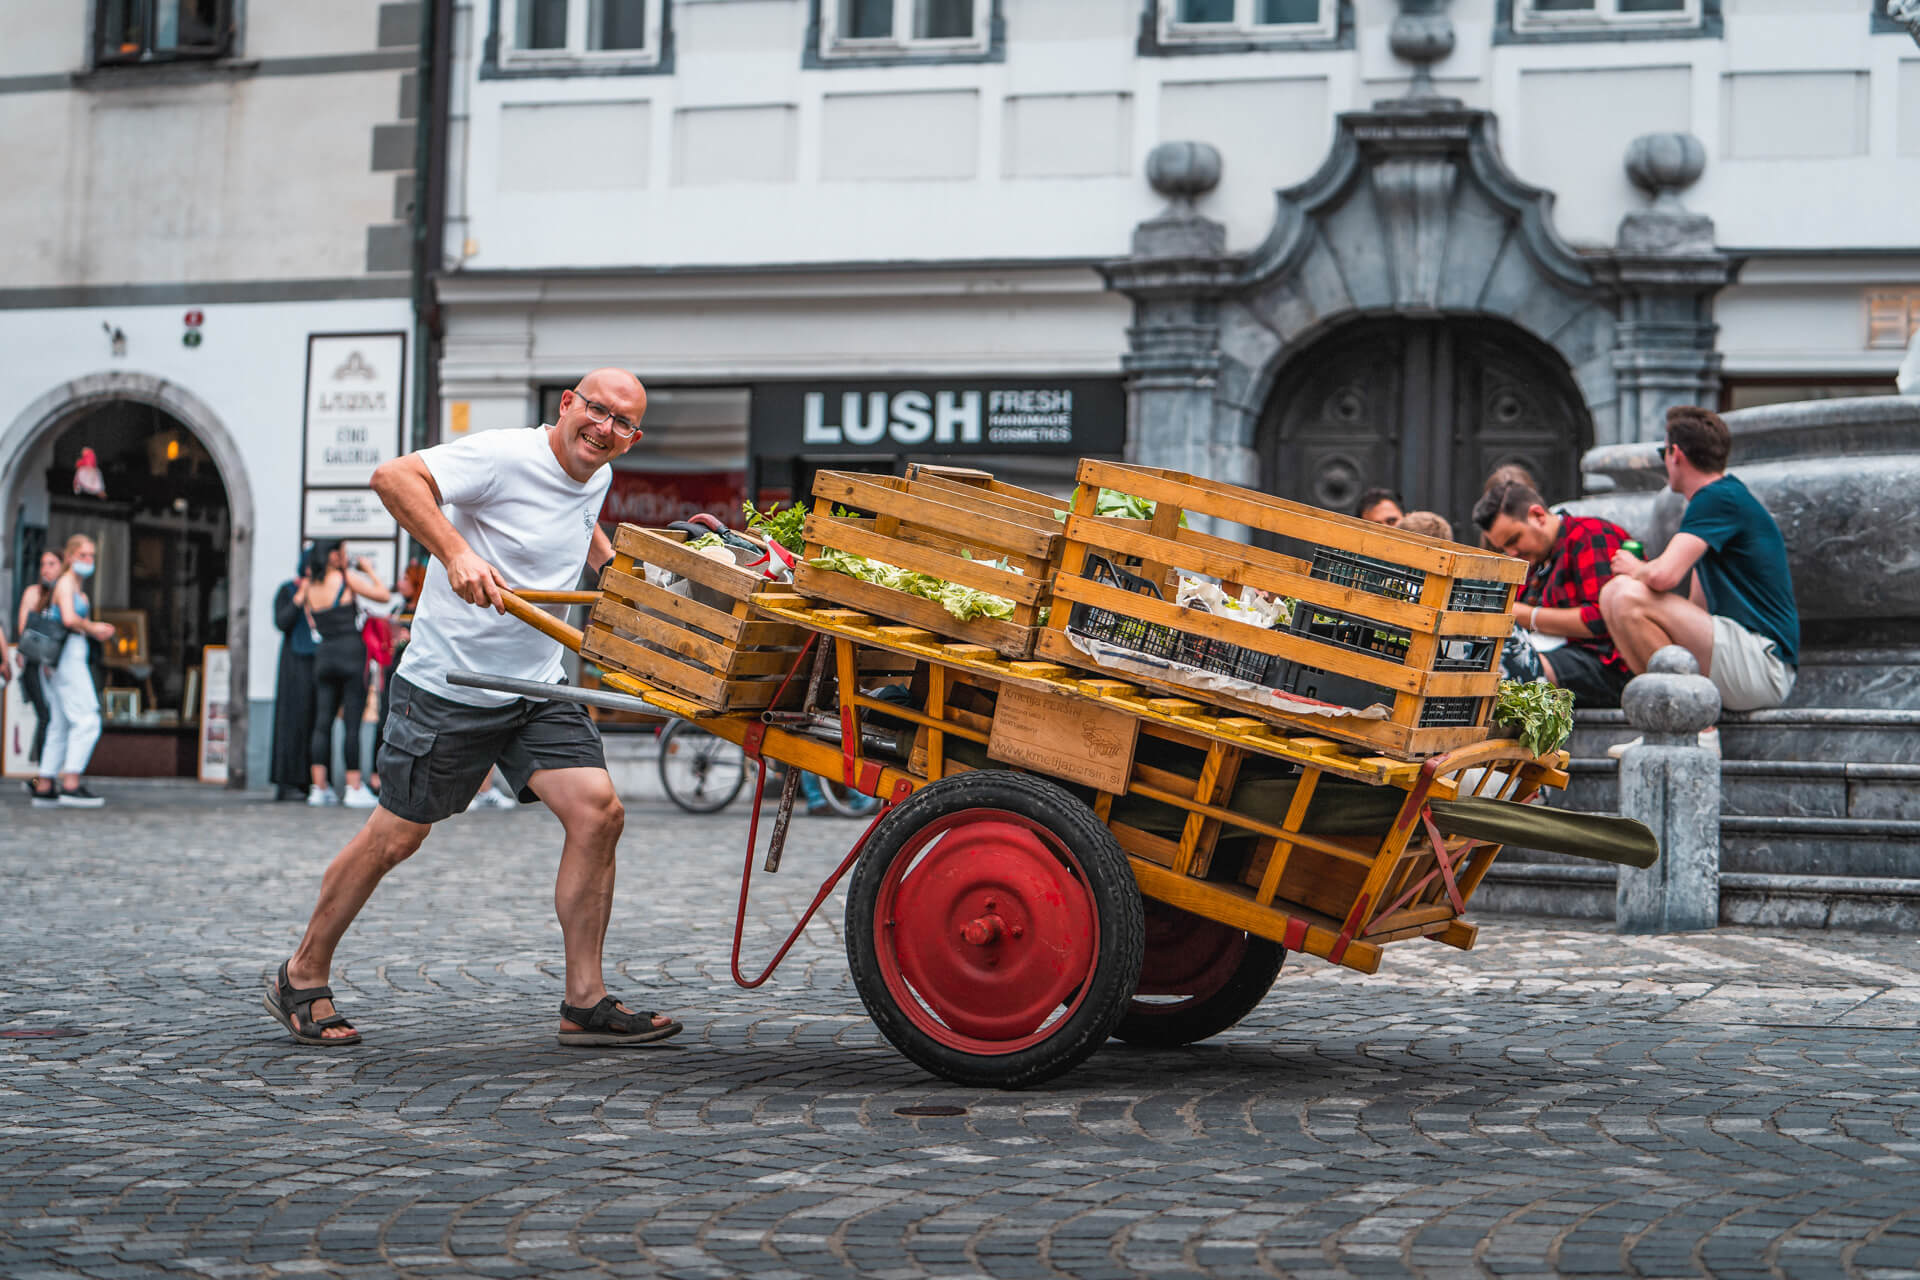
685,742
1169,1025
1114,900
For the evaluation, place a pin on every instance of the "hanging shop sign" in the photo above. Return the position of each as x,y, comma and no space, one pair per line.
657,498
939,416
356,405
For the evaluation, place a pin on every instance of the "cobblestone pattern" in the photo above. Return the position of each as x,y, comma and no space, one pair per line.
1561,1100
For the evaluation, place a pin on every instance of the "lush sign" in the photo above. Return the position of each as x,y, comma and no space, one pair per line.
923,416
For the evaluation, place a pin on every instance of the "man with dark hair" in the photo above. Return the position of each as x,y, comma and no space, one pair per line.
1380,506
1571,558
1739,618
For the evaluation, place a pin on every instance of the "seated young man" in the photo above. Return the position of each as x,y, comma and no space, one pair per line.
1571,559
1739,618
1380,506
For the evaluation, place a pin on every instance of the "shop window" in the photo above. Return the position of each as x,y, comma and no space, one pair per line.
1749,393
543,33
884,28
1547,16
163,30
1893,317
1199,22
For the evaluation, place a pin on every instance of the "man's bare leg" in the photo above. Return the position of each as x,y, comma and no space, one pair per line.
385,842
1642,621
593,818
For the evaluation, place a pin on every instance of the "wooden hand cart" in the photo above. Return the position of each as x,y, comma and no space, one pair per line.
1143,877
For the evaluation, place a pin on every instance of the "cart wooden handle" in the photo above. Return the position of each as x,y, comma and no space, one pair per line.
522,607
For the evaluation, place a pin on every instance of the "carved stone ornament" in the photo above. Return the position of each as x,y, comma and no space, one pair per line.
1183,171
1422,34
1665,164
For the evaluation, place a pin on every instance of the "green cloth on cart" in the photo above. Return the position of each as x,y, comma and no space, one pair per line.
1342,807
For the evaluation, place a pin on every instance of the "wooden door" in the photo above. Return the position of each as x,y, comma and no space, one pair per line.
1425,407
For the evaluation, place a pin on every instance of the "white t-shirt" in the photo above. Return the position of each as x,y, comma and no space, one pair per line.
507,496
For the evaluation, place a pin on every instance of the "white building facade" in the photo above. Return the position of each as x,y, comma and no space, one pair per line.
776,210
207,235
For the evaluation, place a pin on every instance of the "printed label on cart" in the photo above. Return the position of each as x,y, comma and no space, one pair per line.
1064,737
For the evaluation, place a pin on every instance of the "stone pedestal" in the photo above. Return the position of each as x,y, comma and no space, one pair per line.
1672,784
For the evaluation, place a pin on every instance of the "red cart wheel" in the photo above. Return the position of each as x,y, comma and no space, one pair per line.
1199,977
994,929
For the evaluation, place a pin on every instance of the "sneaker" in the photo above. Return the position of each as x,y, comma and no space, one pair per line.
319,797
360,798
47,799
493,798
78,798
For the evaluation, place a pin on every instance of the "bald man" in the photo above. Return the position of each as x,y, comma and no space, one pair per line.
495,508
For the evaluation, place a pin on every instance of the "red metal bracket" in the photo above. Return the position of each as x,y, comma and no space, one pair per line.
1440,856
750,743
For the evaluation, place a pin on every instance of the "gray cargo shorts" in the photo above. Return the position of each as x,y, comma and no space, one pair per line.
435,753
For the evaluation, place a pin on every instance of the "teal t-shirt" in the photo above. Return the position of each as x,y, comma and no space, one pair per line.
1744,571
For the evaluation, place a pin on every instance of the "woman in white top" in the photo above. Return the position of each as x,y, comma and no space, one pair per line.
73,728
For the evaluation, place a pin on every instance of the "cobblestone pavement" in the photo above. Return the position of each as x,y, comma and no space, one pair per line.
1560,1100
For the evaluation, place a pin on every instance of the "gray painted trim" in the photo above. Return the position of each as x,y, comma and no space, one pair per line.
399,25
1149,45
777,269
1711,27
148,74
393,147
811,59
1879,24
491,68
148,295
390,247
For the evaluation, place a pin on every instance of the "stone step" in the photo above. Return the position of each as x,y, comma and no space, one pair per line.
1769,845
1774,788
1792,733
1586,891
1886,677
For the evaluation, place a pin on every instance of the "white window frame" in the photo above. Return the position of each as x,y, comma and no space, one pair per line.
1605,15
834,45
1243,27
576,54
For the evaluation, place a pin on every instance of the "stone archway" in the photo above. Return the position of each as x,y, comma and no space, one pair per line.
1414,215
55,410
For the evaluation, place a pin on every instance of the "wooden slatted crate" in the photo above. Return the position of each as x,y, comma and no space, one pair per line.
1413,623
937,521
707,644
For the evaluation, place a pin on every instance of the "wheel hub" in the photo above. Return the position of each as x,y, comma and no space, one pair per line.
989,927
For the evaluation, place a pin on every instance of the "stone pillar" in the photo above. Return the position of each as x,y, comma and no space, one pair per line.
1667,271
1671,783
1175,276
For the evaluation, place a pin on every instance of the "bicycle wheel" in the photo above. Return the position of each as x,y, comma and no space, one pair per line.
845,802
700,773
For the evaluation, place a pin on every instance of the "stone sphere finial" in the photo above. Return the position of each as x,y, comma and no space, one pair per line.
1672,697
1183,171
1665,164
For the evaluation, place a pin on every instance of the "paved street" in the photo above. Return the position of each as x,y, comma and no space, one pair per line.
1560,1100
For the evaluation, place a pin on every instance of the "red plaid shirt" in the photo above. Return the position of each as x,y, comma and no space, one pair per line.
1573,573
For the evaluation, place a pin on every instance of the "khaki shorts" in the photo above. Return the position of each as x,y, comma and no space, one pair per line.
1747,668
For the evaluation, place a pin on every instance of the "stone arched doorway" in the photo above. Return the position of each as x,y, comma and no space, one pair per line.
28,438
1424,406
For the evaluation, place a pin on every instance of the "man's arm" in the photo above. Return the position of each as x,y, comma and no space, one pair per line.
600,552
1552,622
407,488
1666,571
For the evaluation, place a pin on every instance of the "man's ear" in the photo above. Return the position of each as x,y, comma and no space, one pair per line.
1536,513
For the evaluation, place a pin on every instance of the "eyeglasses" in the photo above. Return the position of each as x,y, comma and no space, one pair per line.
1661,452
624,427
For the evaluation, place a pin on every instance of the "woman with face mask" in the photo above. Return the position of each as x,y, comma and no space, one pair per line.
73,728
38,598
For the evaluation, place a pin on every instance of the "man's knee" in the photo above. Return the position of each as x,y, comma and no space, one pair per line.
1621,595
597,815
392,840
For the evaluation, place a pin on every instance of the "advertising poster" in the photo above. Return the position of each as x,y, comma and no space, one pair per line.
356,398
17,722
216,684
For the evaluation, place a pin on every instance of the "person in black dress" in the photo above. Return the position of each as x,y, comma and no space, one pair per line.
292,693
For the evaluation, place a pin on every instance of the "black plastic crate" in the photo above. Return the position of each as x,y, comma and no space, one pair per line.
1361,635
1474,595
1364,573
1467,653
1157,640
1304,681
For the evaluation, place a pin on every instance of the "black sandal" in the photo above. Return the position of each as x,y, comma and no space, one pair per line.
607,1024
293,1006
